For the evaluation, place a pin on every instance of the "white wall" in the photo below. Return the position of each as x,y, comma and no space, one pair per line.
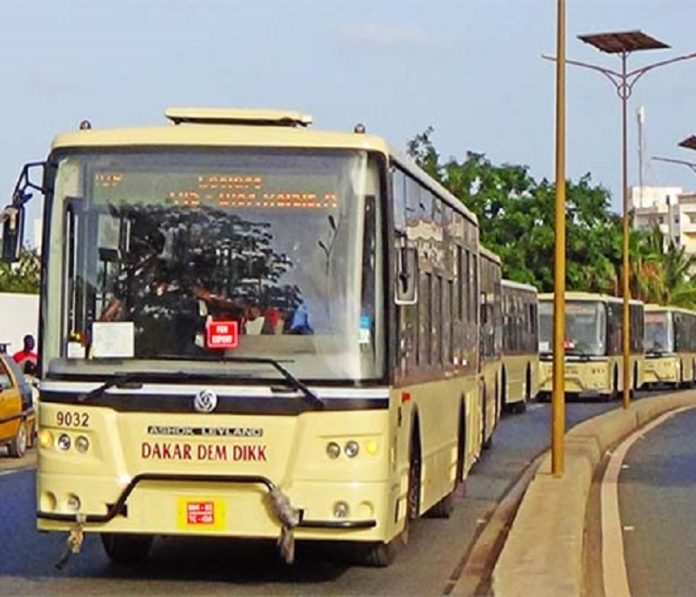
19,315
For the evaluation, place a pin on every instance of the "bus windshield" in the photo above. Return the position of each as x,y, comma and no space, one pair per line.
585,328
176,259
659,334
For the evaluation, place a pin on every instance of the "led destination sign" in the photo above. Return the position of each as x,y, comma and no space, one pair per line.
191,189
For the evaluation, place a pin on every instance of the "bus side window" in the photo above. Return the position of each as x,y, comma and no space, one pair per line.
399,193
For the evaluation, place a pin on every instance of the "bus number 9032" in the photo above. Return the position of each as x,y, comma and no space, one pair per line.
72,419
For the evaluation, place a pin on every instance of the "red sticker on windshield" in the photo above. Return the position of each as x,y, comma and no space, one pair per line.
221,334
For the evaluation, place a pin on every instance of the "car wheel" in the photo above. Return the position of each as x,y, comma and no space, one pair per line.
18,444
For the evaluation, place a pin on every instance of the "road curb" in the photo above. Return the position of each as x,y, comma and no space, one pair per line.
543,552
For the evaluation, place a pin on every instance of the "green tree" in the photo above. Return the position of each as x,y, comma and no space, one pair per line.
23,276
516,218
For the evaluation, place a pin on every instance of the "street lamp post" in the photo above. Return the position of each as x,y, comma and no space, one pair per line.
558,379
623,44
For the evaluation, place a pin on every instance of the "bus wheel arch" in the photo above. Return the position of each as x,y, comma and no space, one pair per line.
486,442
504,386
415,464
635,376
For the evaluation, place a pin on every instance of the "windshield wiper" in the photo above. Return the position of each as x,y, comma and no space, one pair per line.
308,395
118,379
122,379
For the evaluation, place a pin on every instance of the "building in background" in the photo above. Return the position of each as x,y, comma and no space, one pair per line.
671,209
19,315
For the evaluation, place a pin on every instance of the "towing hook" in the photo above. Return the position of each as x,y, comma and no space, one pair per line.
73,543
289,518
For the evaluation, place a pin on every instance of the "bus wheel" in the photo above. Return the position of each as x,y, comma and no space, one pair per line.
414,477
382,554
615,386
125,548
379,555
486,443
18,445
527,392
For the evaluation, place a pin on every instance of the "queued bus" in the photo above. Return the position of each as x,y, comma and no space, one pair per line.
593,340
520,367
670,346
250,328
491,342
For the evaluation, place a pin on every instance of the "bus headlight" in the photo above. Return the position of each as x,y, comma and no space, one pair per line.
45,438
63,442
351,449
333,450
81,443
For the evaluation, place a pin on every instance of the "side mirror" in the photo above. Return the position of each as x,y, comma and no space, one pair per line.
407,276
12,232
12,217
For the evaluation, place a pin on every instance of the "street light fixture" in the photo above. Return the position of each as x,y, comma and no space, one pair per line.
689,142
624,43
690,165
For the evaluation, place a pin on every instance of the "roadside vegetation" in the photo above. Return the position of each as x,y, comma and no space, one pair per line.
22,277
516,218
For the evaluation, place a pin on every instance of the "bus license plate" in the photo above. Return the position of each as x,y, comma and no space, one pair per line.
200,514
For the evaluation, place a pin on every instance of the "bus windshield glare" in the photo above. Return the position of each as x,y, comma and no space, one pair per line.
173,260
584,328
659,335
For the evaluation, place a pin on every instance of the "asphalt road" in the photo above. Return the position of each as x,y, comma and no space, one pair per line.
657,495
428,565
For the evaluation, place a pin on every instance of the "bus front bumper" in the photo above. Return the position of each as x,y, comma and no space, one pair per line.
222,505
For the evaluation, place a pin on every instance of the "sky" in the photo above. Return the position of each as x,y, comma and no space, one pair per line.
471,69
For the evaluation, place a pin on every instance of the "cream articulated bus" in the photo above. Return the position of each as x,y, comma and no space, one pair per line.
593,332
670,346
250,328
520,368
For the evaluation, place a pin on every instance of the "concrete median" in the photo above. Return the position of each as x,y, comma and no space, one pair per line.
543,552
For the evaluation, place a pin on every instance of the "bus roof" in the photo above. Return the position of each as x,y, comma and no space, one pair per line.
654,308
588,296
489,254
217,127
519,286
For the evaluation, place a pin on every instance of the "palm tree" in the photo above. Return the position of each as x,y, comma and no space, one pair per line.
677,268
661,272
647,280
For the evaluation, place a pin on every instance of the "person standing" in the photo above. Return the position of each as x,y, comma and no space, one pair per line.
27,353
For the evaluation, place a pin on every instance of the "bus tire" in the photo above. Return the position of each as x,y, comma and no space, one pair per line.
614,394
381,554
519,407
414,475
635,377
378,555
505,397
486,443
18,444
125,548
